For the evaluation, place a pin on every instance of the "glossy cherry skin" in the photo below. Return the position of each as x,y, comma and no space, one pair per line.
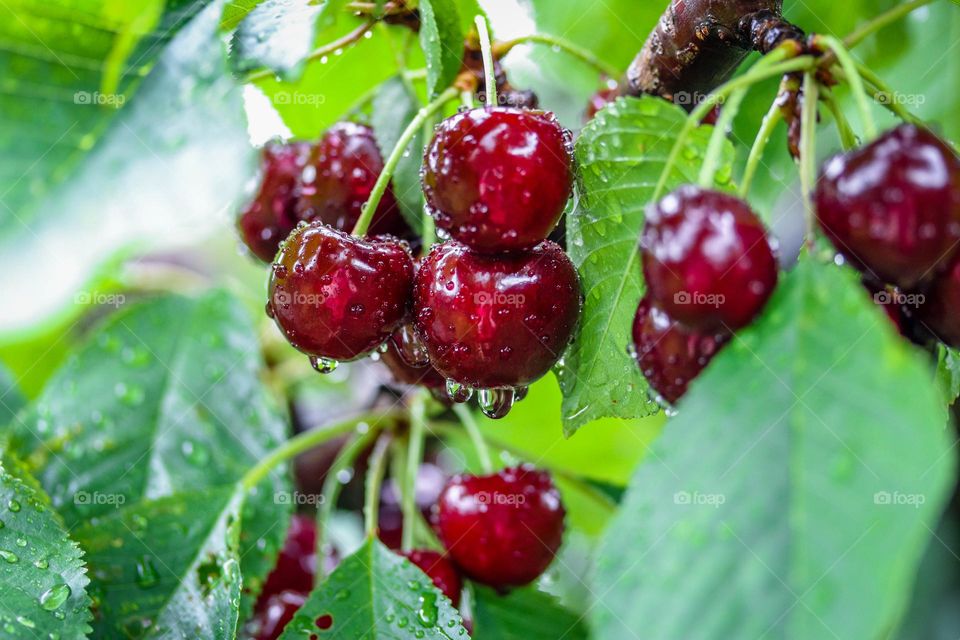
277,611
504,529
497,179
297,562
337,296
440,570
707,259
343,167
892,207
669,354
601,99
409,363
496,321
271,215
939,314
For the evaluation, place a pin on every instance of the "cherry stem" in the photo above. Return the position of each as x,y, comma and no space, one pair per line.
847,138
476,436
751,77
310,439
383,180
375,473
808,149
408,503
501,49
428,231
885,96
489,73
853,78
332,485
325,50
772,118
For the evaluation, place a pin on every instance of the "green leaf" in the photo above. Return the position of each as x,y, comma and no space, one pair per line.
86,179
42,575
800,482
330,11
441,37
277,35
523,614
376,594
11,401
621,155
167,568
948,370
394,107
235,11
165,399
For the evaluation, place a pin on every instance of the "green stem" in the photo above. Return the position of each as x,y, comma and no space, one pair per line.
380,187
476,436
428,231
310,439
332,487
856,84
748,79
375,472
885,96
808,139
326,50
418,428
770,121
847,138
489,75
563,44
882,20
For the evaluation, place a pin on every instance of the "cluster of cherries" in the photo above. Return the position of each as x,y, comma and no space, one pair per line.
492,308
502,530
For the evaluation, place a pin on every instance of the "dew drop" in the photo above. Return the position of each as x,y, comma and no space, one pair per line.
146,573
8,556
458,392
496,403
13,505
427,613
54,596
323,365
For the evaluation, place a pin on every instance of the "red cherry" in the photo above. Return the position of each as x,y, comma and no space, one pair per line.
338,297
408,360
503,529
601,99
271,216
277,611
670,355
496,321
439,570
430,482
892,207
497,179
939,313
707,260
297,563
342,170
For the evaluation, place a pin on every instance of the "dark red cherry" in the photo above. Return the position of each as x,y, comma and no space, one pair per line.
669,354
430,482
408,361
600,99
336,296
497,179
342,170
496,321
707,259
892,207
271,216
276,612
503,529
939,312
440,571
297,562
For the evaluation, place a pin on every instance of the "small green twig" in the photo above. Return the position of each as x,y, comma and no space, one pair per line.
310,439
887,17
853,78
380,187
502,48
847,138
328,49
408,503
885,96
808,139
375,472
770,121
428,231
476,436
489,74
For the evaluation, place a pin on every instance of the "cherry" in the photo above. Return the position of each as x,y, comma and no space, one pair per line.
271,215
496,321
892,207
408,361
297,562
439,570
502,529
939,313
277,611
429,484
670,355
600,99
707,260
343,168
497,179
338,297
